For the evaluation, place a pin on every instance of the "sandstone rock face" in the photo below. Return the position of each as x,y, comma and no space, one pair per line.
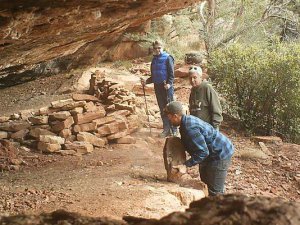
48,37
228,209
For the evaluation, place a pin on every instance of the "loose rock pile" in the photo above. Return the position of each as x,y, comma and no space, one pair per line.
76,125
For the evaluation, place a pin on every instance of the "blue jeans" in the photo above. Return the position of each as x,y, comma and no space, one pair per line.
213,173
163,97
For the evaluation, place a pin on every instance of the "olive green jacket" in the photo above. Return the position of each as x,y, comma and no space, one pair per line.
205,104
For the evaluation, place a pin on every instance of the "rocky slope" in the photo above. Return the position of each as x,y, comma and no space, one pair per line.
48,37
230,209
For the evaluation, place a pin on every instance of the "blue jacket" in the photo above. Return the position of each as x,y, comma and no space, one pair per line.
162,69
203,142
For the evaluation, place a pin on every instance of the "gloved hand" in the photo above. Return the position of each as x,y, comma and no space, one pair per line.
167,86
180,168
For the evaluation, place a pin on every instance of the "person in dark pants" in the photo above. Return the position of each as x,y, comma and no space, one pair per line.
204,101
162,75
206,145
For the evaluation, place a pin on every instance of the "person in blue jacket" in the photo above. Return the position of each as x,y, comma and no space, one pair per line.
162,75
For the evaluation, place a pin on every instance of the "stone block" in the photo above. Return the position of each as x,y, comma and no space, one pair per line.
90,107
57,126
119,113
3,134
65,133
88,117
61,103
46,111
51,139
14,125
74,105
19,134
103,131
126,140
104,120
79,147
47,147
71,138
85,127
25,114
117,135
36,132
112,128
120,106
62,115
77,110
84,97
15,116
38,120
4,119
90,138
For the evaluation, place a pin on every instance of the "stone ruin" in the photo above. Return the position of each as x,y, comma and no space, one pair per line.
77,125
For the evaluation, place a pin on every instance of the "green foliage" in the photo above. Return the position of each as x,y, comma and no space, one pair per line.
262,86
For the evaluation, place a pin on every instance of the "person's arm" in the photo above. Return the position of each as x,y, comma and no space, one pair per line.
199,149
215,107
170,70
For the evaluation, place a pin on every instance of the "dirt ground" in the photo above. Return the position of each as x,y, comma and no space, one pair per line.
121,180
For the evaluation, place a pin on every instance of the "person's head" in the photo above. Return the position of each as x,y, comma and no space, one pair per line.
195,75
157,47
174,112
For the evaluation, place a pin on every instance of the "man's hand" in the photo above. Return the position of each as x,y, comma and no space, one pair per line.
180,168
167,86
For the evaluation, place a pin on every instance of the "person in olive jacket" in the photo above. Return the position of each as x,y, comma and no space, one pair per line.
204,101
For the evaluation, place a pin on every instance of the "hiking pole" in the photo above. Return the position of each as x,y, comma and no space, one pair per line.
168,101
147,112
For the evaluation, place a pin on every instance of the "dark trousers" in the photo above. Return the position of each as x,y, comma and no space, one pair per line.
214,173
163,97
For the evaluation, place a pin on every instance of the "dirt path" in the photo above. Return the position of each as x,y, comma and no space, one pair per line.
130,179
115,181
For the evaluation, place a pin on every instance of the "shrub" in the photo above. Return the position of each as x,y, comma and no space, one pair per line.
262,86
